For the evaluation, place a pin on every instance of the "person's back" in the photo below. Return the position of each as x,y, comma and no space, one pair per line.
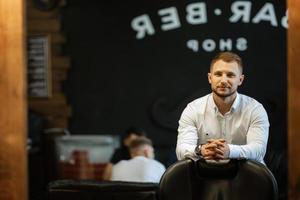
138,169
141,167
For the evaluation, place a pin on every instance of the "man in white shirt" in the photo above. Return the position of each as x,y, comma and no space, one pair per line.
141,167
224,124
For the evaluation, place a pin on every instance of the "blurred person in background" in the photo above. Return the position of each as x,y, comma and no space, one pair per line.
122,153
142,167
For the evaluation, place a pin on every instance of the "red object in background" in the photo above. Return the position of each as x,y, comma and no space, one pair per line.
80,168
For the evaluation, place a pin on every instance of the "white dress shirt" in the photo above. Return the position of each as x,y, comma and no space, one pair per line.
245,127
138,169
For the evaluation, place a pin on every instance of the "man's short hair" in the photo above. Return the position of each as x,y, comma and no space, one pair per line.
139,142
228,57
133,130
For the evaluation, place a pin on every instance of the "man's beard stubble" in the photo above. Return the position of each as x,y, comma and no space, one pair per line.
223,95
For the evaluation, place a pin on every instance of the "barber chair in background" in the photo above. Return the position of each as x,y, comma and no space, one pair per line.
238,179
104,190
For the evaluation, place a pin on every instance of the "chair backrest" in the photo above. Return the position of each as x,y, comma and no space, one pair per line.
104,190
238,179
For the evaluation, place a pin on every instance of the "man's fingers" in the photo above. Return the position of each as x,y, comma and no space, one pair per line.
210,140
221,140
219,151
215,149
213,140
220,144
208,153
210,145
208,157
219,156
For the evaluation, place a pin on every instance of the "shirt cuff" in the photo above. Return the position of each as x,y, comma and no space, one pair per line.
190,153
234,151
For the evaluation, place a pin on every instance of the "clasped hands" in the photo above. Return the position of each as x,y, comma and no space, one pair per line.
215,149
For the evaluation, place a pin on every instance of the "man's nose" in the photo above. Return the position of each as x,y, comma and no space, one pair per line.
224,78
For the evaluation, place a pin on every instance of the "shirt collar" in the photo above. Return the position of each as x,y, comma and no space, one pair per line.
212,103
236,102
234,106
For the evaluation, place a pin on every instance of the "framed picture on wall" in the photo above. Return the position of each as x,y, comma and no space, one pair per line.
39,66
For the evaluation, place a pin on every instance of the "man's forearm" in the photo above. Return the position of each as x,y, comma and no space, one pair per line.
248,151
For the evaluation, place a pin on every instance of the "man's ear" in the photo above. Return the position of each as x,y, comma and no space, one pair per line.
146,153
241,79
209,77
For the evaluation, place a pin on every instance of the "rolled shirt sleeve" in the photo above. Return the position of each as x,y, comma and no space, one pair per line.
257,138
187,134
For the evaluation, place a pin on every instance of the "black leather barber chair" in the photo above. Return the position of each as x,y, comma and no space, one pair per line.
236,180
101,190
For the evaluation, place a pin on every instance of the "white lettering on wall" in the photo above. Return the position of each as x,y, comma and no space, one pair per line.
143,26
222,44
225,44
196,13
169,18
193,45
284,20
266,13
240,10
209,45
241,44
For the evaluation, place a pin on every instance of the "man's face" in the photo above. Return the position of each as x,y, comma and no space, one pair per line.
225,78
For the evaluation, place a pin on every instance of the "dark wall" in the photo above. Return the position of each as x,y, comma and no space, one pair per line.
118,80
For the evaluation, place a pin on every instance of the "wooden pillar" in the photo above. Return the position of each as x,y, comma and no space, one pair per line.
294,99
13,104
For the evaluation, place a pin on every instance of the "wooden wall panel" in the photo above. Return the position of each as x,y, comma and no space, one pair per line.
13,154
39,25
55,108
294,99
